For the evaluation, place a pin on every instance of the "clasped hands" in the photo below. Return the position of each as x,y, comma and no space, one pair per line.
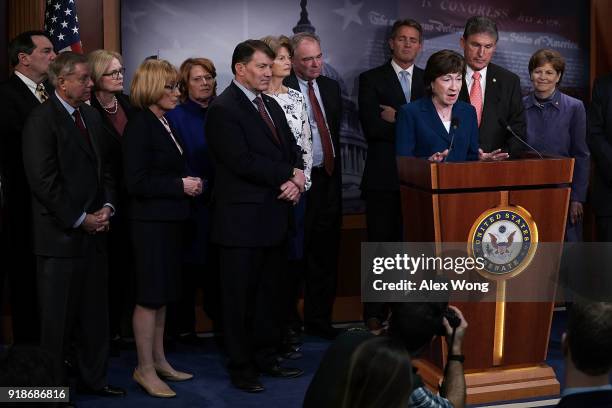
192,186
293,188
98,221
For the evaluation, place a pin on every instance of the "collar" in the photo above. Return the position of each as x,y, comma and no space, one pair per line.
304,82
194,106
581,390
30,84
555,100
469,72
66,105
249,94
397,68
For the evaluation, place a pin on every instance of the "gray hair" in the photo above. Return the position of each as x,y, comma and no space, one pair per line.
480,25
299,37
64,64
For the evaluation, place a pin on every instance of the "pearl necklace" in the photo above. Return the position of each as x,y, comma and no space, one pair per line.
112,108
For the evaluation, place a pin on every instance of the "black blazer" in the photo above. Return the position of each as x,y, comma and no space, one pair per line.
332,106
502,101
381,86
594,399
153,170
111,145
16,104
599,139
249,170
66,176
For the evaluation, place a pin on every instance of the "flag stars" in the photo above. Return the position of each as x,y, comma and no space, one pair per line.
68,12
64,24
54,19
75,30
60,37
51,31
57,6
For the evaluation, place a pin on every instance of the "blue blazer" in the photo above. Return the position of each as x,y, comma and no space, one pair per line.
419,131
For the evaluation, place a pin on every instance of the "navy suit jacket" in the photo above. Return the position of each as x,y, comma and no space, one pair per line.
421,133
381,86
249,170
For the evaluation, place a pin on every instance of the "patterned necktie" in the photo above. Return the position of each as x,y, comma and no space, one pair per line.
264,115
476,95
41,92
326,141
405,82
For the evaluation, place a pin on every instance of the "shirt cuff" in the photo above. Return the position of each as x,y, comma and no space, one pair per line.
78,222
112,207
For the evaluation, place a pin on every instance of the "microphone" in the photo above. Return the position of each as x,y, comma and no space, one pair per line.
454,125
509,129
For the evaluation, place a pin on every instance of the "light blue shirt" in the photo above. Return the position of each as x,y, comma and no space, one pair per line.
317,148
71,110
252,95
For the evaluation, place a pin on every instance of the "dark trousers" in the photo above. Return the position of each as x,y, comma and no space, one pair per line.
384,224
19,265
322,239
120,277
73,298
604,229
207,277
251,303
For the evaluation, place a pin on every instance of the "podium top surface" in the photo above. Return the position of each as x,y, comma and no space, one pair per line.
420,173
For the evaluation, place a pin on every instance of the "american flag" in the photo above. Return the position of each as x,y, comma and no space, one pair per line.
62,25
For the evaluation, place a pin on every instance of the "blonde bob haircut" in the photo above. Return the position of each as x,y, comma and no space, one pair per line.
149,81
99,60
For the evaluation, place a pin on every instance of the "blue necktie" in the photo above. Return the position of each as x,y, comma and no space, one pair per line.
405,82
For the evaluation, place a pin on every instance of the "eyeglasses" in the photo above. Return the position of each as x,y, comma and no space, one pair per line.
204,79
172,87
115,74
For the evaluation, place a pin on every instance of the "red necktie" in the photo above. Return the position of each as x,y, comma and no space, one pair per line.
326,141
476,95
264,115
79,123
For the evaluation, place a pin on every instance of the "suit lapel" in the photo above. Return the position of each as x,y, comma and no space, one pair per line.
106,123
25,93
93,138
253,112
491,96
435,123
70,128
390,77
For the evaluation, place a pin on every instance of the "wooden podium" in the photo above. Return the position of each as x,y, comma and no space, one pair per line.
506,342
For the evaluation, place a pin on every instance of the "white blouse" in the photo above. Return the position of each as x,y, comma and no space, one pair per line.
294,106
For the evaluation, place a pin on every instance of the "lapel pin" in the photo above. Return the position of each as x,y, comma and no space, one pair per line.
494,80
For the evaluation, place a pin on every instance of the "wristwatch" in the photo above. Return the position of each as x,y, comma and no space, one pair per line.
456,357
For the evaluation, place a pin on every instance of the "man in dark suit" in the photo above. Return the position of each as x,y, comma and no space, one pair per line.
72,198
599,139
382,91
324,199
494,91
586,346
259,176
30,54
